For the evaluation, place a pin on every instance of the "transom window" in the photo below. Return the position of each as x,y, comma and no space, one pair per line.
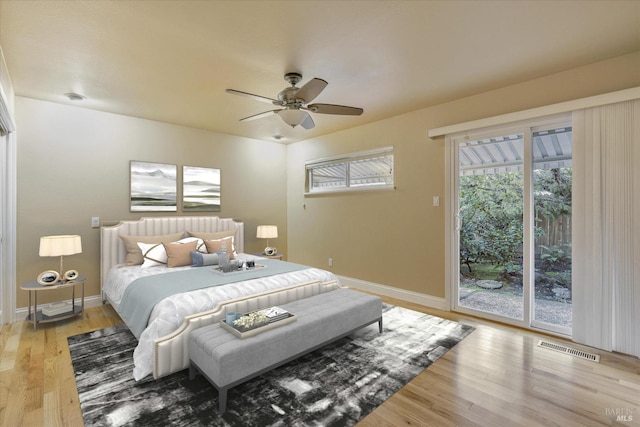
355,171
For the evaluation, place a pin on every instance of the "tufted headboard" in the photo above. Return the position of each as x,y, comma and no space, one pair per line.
113,251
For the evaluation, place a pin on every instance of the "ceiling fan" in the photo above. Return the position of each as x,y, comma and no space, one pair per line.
295,102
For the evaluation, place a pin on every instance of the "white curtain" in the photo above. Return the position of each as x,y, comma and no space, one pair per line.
606,227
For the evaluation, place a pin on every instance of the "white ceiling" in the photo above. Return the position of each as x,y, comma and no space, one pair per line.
172,60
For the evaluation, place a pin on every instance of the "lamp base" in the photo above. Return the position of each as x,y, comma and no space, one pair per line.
270,251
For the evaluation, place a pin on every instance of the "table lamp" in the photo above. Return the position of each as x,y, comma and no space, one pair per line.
60,246
268,232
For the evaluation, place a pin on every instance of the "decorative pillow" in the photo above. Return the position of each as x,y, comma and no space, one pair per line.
214,246
200,246
212,236
199,259
134,254
179,254
216,236
152,254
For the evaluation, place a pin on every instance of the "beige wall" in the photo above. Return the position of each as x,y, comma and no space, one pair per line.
396,238
73,163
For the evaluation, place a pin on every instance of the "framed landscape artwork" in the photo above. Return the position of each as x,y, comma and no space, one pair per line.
153,187
200,189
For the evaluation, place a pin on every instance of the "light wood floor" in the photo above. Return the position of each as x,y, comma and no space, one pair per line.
497,376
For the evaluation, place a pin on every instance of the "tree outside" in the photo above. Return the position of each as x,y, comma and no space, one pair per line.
491,234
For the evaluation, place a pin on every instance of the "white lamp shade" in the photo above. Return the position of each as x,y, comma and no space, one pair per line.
267,232
293,117
60,245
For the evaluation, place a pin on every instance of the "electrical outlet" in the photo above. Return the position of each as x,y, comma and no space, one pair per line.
95,221
330,262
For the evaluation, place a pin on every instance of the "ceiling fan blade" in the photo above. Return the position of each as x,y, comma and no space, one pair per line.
256,97
260,115
335,109
311,89
308,123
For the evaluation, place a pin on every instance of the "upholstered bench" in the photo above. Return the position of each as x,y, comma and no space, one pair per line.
227,361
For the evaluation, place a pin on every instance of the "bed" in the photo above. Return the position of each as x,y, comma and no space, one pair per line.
163,339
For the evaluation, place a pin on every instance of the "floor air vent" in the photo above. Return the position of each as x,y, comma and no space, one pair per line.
568,350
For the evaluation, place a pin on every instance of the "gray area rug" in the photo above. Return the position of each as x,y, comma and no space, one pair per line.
337,385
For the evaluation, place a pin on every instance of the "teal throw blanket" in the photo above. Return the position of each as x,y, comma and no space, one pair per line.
144,293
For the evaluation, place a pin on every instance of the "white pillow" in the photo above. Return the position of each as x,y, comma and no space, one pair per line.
152,254
200,246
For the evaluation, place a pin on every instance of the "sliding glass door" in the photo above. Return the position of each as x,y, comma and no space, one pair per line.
490,220
552,182
512,216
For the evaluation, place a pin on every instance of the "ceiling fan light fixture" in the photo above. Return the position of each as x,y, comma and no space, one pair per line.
292,117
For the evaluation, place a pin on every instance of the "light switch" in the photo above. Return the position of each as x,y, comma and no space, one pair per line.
95,221
436,200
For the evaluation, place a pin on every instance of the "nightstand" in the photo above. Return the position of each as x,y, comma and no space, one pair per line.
37,316
276,256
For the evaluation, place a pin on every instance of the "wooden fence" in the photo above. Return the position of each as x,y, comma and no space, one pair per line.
557,231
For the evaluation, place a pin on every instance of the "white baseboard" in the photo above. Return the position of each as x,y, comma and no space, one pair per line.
92,301
389,291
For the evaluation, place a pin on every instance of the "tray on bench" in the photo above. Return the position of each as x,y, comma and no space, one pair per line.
255,331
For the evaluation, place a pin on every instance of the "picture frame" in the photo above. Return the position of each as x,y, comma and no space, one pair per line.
200,189
48,278
153,187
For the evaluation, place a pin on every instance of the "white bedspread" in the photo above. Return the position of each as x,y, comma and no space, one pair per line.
168,314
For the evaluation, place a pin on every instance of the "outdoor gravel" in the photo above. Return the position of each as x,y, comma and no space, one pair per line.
554,312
